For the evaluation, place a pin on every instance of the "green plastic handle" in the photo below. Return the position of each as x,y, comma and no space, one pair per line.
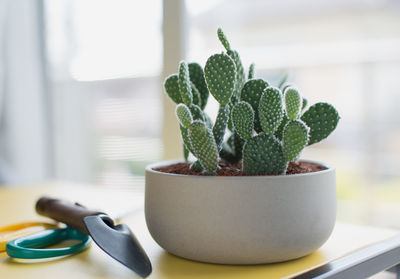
30,247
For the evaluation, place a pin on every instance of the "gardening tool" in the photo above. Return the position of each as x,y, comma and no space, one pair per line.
14,231
27,247
116,240
25,240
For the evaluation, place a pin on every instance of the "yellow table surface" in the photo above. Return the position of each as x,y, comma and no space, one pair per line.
17,204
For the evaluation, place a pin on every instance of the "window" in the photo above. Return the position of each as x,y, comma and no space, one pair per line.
105,61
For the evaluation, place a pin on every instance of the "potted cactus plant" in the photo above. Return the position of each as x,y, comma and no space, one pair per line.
246,199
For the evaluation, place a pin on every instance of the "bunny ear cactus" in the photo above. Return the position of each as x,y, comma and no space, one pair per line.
184,115
220,73
322,118
243,119
269,126
263,154
271,110
204,146
220,125
251,93
240,74
184,83
196,95
293,103
252,71
295,138
171,86
196,74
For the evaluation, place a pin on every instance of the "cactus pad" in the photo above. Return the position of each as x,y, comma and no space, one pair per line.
185,152
196,95
184,115
171,86
271,110
251,93
252,71
196,74
237,144
305,102
196,165
243,119
279,131
185,138
240,74
220,73
295,138
293,103
184,83
222,38
204,146
220,124
263,154
322,118
197,113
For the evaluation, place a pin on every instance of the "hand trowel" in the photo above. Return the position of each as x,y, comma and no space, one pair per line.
116,240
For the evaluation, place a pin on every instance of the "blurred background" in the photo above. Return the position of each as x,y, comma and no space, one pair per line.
81,95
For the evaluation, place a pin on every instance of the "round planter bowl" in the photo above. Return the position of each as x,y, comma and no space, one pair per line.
242,219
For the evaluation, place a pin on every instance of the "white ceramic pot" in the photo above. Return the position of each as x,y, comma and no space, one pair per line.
240,220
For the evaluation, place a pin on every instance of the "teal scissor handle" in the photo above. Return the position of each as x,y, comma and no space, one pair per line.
30,247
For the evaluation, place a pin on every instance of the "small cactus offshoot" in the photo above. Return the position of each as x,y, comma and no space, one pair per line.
262,126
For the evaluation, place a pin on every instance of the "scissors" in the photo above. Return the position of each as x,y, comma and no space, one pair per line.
27,240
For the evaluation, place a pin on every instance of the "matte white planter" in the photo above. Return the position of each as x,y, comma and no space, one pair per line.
240,220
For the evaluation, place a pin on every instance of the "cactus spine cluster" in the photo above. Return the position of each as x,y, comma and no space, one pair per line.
268,126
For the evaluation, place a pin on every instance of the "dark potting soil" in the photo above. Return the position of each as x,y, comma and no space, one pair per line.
235,169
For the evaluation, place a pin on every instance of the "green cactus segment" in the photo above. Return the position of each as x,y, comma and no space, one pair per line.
220,124
196,165
279,132
196,74
185,152
293,103
184,83
240,74
322,118
243,119
222,38
295,138
185,138
184,115
263,154
305,102
238,144
197,113
251,93
252,71
171,86
220,73
271,110
196,95
204,146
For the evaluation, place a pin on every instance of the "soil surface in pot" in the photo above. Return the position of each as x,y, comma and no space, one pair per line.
235,169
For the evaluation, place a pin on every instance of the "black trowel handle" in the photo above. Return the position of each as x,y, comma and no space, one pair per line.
65,212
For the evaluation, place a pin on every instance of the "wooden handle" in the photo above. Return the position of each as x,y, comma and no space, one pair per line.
65,212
